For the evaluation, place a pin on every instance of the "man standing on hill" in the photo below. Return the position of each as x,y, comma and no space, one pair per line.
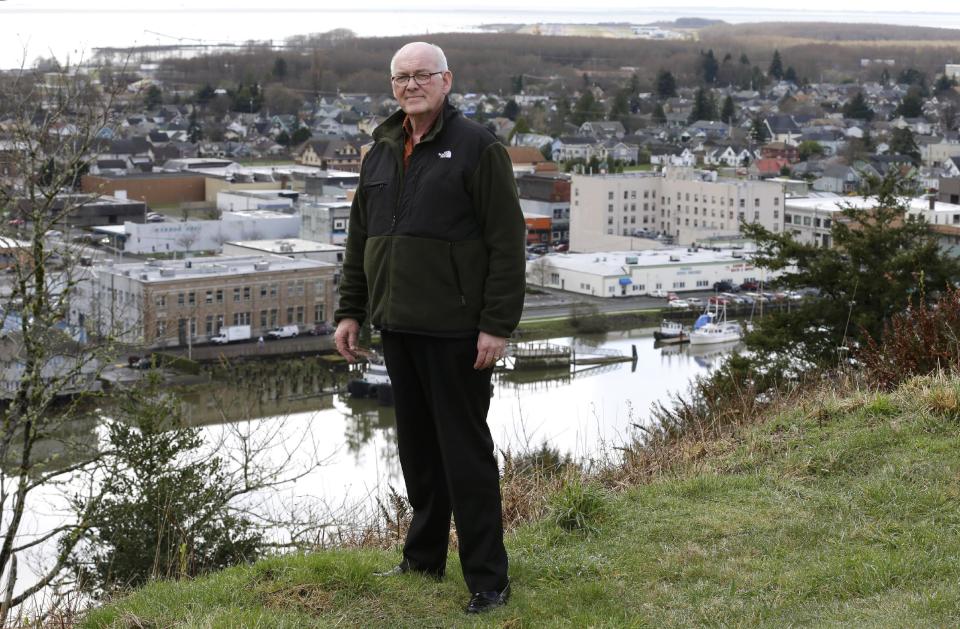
435,259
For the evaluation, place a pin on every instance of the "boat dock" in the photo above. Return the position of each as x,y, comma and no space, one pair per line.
552,355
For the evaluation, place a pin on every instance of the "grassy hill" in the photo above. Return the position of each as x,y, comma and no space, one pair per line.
838,511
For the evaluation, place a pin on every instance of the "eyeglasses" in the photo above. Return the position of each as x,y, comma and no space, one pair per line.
422,78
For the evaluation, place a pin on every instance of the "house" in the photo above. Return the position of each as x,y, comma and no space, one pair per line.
568,148
838,178
767,167
603,129
528,160
334,153
780,150
783,128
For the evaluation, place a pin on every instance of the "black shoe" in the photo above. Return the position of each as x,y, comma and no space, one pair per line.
485,601
404,568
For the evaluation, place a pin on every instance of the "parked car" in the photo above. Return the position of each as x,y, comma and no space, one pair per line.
322,329
657,292
733,298
153,217
561,247
284,332
694,301
678,304
718,300
724,286
749,285
671,296
538,249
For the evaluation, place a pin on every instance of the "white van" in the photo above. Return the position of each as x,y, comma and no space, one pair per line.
284,332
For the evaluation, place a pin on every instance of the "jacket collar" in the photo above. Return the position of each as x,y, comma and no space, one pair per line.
391,129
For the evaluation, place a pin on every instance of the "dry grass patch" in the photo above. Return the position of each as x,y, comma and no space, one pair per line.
305,597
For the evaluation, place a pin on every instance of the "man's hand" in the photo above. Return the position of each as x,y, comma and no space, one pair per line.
489,349
345,338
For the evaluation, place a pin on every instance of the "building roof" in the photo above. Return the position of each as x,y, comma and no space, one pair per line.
615,263
288,245
157,271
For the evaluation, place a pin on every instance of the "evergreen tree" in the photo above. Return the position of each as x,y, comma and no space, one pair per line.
878,259
620,107
204,95
659,116
194,130
152,98
587,108
744,61
709,67
902,142
704,106
868,144
666,85
912,76
516,84
885,77
857,108
790,75
511,110
729,111
283,138
776,66
912,104
301,135
758,130
279,68
944,84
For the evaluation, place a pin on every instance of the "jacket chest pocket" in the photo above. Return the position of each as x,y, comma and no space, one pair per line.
379,197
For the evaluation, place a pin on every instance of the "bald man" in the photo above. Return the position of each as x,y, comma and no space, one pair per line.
435,260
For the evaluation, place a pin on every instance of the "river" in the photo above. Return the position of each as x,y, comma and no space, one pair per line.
345,448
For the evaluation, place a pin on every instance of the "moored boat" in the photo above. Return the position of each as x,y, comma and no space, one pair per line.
712,327
669,330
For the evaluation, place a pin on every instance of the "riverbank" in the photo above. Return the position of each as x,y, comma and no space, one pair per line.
839,510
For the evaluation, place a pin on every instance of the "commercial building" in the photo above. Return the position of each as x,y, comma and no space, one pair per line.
810,219
289,247
631,273
547,195
202,235
325,221
610,211
176,303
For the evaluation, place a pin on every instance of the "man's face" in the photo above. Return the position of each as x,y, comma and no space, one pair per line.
418,99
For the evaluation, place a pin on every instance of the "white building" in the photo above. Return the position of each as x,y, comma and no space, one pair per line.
626,273
194,236
609,211
244,200
810,219
290,247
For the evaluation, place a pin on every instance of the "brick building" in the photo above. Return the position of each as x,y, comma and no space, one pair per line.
173,303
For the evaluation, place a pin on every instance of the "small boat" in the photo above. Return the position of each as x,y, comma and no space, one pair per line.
712,327
669,330
375,382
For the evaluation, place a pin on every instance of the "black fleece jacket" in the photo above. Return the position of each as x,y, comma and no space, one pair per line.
436,248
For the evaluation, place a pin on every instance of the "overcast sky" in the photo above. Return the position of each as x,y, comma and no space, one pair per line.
935,6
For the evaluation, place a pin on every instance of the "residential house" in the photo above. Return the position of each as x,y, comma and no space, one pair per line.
780,150
783,128
569,148
603,129
333,153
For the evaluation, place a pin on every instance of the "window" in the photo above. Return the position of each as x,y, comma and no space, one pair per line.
290,314
609,220
263,318
263,291
826,225
702,283
161,328
610,207
816,222
219,295
191,298
318,313
776,214
776,200
181,299
161,301
625,193
299,314
246,293
318,288
743,203
210,331
208,297
241,318
610,195
679,284
236,295
756,203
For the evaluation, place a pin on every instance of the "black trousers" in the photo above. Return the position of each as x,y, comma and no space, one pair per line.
446,453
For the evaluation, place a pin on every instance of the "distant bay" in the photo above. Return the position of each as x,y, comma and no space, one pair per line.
30,32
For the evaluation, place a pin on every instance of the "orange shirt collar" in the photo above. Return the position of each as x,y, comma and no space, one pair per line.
408,137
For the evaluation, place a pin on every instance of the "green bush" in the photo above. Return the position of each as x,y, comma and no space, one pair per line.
578,507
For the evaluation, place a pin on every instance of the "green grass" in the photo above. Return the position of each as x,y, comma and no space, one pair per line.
841,512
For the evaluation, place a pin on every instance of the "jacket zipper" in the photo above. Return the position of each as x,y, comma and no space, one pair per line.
456,276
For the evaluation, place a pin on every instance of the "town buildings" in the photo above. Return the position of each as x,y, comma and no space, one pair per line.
622,211
177,303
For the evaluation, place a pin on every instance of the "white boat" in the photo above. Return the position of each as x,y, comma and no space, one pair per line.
669,330
375,382
712,327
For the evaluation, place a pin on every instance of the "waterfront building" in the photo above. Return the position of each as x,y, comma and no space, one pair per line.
680,205
177,303
632,273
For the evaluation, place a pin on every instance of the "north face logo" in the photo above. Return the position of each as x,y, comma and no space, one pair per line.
445,154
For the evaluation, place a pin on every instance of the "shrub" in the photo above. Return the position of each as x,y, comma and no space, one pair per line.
578,506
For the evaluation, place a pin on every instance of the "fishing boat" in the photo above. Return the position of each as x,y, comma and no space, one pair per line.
670,332
375,382
712,327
